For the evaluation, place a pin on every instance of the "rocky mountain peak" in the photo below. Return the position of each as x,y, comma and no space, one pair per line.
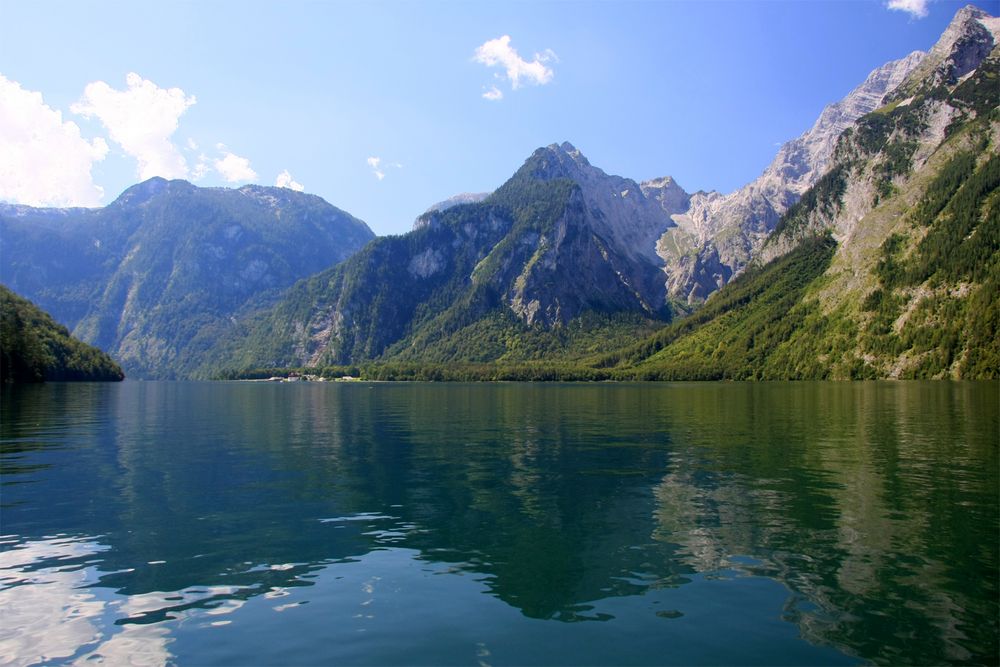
140,193
671,197
717,234
618,209
560,161
970,30
966,42
572,151
969,21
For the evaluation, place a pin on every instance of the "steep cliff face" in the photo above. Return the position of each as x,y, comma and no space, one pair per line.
889,266
155,277
717,234
597,255
935,113
559,241
965,43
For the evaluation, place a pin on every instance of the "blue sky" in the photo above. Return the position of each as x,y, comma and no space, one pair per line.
382,108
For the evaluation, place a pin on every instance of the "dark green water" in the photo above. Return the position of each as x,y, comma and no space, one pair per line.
813,523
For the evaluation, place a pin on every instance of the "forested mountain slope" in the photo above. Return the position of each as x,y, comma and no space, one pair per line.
34,348
558,261
155,277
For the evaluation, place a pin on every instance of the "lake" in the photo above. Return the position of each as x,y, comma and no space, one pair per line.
500,524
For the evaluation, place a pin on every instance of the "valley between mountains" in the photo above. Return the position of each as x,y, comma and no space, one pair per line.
869,248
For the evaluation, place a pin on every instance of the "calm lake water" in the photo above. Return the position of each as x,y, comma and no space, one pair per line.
378,524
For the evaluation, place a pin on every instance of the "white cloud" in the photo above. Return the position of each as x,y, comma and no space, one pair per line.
141,120
44,161
493,94
234,168
379,166
499,52
285,180
201,169
374,162
916,8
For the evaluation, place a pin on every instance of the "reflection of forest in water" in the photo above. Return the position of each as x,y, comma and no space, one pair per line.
876,502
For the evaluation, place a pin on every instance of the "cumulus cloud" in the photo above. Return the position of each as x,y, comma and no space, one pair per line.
493,94
44,160
499,52
231,167
141,120
234,168
916,8
285,180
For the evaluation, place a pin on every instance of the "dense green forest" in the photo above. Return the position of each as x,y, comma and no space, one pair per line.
34,348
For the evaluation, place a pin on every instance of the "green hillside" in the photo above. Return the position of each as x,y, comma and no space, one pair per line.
34,348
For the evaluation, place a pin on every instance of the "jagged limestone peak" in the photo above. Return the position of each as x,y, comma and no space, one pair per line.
964,44
668,193
717,234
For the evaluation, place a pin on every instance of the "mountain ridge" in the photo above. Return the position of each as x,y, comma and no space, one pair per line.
157,274
563,261
555,242
895,251
718,233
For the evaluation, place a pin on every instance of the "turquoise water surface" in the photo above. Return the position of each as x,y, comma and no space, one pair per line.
504,524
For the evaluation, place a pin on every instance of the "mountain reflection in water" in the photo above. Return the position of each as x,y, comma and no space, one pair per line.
382,523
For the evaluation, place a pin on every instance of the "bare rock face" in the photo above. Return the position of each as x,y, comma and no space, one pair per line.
717,235
929,100
667,193
966,42
622,213
598,254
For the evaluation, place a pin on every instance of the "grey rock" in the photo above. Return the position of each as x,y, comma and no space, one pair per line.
716,236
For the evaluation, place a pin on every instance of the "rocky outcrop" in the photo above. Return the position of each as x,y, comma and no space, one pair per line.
621,213
876,156
717,235
965,43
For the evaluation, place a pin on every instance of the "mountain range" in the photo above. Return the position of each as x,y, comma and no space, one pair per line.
156,277
868,248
